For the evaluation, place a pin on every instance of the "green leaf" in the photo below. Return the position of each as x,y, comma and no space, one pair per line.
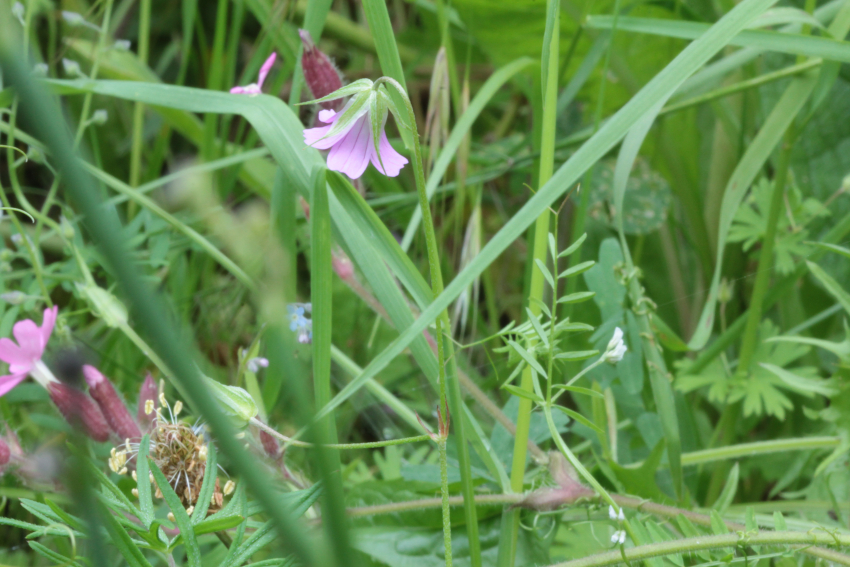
727,496
718,526
122,540
181,518
795,44
199,514
517,391
576,355
574,246
779,522
356,87
831,285
577,269
538,328
577,297
530,360
580,418
805,386
579,390
545,271
143,485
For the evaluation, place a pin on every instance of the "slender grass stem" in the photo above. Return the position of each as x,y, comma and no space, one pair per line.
138,107
341,446
101,46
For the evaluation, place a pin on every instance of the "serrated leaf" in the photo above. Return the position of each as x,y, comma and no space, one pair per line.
580,418
805,386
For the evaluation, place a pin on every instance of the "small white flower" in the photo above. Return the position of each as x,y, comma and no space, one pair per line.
99,117
612,514
122,45
616,348
619,537
256,363
74,19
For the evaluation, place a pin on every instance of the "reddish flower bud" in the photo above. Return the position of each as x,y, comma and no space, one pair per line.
320,74
270,444
148,392
79,409
342,265
111,404
5,453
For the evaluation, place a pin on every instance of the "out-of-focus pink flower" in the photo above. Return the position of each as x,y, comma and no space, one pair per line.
353,147
111,404
320,74
24,358
256,88
147,393
5,454
342,265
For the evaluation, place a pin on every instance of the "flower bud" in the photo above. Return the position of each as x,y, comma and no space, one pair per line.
342,265
320,74
270,444
13,297
236,403
105,305
111,404
79,409
99,116
147,393
122,44
72,68
5,453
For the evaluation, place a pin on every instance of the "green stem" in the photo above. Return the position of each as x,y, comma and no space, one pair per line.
759,448
138,107
444,501
101,46
734,540
765,266
289,441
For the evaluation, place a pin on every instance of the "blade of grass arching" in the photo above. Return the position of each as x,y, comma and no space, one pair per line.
314,21
759,150
321,295
795,44
382,33
149,313
549,88
665,83
181,518
662,390
144,488
461,128
216,77
135,197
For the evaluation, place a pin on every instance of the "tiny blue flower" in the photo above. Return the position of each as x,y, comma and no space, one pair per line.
296,317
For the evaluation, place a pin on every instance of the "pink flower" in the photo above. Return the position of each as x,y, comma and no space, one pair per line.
353,147
24,358
256,88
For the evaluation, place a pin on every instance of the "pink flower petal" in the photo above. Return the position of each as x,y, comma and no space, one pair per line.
11,353
237,90
328,116
313,137
47,323
392,160
351,155
10,381
264,70
29,338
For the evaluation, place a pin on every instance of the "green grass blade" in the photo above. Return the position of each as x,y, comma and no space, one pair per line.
181,518
143,486
199,514
663,85
806,45
460,130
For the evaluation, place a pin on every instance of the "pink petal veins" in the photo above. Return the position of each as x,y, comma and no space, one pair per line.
264,70
351,155
392,160
9,382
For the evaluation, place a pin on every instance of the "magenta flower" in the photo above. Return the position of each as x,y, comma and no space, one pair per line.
353,146
256,88
24,358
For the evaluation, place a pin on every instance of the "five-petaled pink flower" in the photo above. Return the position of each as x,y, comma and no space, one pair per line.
256,88
24,358
353,147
